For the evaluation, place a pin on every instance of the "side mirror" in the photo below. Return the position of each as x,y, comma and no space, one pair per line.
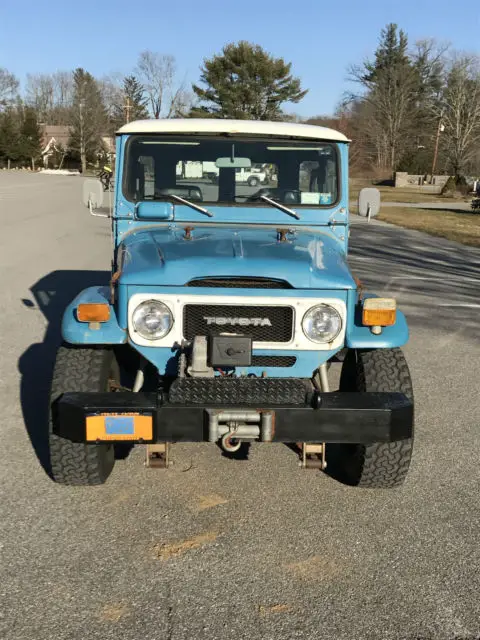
368,202
93,197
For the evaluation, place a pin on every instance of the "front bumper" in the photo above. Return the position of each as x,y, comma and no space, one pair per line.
274,410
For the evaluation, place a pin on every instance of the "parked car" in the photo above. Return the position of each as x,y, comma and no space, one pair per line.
225,312
252,176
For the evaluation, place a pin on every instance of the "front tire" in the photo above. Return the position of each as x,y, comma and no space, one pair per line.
85,370
382,464
253,182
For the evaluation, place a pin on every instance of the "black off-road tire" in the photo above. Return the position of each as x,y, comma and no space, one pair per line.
81,369
253,182
379,465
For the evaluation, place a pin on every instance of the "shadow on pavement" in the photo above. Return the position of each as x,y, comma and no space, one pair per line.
51,294
438,281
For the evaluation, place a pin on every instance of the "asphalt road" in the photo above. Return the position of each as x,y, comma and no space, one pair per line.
216,548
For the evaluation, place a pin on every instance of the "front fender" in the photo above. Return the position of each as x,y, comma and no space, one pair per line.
360,337
76,332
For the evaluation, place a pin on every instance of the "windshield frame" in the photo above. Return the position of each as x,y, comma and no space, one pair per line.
271,140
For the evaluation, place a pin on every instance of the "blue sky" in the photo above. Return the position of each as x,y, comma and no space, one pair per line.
320,38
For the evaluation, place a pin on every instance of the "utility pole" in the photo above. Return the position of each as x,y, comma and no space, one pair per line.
83,146
440,128
128,107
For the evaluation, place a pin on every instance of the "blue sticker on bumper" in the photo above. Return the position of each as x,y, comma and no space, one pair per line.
119,426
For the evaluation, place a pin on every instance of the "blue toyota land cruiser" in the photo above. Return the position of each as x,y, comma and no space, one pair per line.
230,297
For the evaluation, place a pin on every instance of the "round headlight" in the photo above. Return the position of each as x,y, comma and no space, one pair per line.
152,320
322,323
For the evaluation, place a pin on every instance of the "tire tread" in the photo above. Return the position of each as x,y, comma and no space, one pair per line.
79,369
386,464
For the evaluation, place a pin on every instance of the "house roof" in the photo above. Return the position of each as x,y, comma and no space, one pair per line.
55,136
218,126
60,133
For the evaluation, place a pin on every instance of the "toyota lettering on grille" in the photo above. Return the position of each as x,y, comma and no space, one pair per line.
241,322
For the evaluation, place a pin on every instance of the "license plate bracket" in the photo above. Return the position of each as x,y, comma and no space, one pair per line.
119,427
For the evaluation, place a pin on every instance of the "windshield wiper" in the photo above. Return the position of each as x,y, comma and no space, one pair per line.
173,196
282,207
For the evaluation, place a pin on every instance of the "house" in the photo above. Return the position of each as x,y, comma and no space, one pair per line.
56,138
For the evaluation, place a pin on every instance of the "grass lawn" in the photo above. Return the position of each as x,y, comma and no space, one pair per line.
400,194
460,227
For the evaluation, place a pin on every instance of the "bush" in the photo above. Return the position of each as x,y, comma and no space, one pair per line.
456,186
449,187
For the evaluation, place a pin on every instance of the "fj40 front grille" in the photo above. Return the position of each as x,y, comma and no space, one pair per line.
262,324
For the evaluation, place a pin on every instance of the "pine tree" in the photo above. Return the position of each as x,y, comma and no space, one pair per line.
9,136
391,53
246,82
89,118
134,103
30,136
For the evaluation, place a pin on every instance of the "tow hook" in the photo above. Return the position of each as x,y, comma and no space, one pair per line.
229,441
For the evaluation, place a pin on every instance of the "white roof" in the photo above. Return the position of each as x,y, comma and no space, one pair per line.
212,125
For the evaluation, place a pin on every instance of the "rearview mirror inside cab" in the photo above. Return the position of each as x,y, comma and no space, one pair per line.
368,202
233,163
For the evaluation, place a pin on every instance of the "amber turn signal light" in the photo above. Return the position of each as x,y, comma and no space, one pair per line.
93,312
379,312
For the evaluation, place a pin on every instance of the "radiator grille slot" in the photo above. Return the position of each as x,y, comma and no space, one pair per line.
240,283
273,361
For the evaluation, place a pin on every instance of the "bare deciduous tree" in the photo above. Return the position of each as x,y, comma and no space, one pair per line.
63,88
8,87
40,94
158,74
51,96
459,111
111,88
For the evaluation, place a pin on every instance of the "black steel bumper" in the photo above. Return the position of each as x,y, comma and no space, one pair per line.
300,417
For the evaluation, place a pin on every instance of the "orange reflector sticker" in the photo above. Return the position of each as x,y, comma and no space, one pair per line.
93,312
379,312
114,426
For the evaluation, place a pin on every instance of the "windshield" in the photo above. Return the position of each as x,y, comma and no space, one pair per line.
231,171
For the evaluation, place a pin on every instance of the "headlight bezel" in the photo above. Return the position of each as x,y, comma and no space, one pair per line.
332,336
145,335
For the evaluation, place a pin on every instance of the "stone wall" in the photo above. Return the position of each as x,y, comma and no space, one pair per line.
404,179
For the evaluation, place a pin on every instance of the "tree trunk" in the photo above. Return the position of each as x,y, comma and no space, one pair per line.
33,164
392,159
83,157
8,164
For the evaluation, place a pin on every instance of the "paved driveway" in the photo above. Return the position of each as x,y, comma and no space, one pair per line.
225,549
